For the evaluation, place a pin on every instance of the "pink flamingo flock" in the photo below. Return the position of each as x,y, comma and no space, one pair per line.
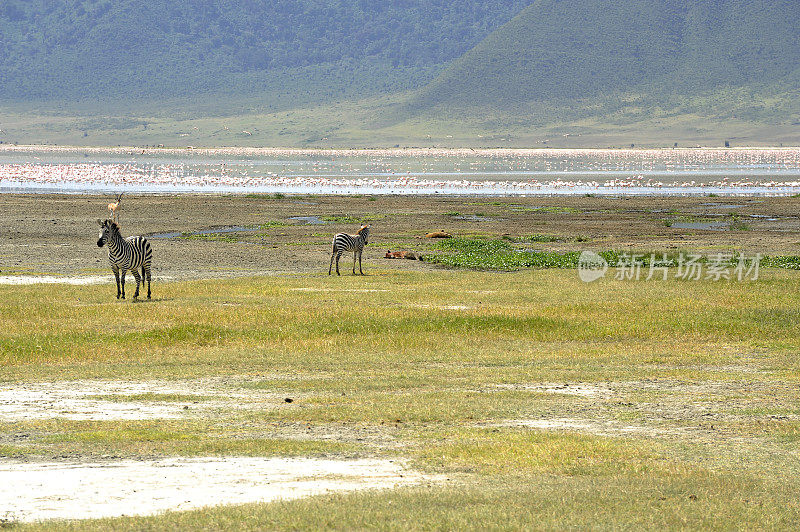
725,171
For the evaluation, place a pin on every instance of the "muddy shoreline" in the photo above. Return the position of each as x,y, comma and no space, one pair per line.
211,236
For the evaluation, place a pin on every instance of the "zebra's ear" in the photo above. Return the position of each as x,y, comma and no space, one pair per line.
99,222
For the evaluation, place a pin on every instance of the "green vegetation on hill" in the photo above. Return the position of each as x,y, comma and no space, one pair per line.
99,49
566,73
573,59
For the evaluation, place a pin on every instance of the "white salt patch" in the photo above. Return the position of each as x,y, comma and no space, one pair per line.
550,424
583,390
445,307
73,400
598,427
51,279
38,491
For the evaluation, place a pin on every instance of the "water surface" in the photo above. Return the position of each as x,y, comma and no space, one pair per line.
412,171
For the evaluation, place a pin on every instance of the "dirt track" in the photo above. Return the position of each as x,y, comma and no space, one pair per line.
56,234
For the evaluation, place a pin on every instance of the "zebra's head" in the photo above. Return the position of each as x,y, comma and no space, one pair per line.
107,227
364,232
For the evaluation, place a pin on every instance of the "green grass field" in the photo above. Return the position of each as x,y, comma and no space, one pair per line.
378,122
699,426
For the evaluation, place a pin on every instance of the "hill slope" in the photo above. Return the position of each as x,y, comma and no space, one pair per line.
418,72
667,53
104,49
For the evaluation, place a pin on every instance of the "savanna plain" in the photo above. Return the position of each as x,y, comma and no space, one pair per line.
522,397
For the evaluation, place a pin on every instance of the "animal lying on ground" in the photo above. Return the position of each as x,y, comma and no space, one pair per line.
343,242
402,255
126,254
438,234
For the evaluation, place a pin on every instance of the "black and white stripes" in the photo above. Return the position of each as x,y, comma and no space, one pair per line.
126,254
355,243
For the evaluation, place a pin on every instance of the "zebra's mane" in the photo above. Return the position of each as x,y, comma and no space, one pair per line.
112,226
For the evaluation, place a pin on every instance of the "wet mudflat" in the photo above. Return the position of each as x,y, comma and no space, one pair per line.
206,236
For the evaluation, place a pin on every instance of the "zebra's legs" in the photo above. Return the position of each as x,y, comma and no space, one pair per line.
122,281
146,275
357,254
116,276
337,254
135,273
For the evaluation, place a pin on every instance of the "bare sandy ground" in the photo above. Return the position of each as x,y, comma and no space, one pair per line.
124,400
51,279
77,489
37,490
82,490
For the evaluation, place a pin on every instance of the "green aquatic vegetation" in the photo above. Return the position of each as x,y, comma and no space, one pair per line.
215,237
351,219
789,262
253,195
736,223
492,254
274,223
484,254
540,238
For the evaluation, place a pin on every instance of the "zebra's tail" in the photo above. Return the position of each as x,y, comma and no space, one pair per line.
148,253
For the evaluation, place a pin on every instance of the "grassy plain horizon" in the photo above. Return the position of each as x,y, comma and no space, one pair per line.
359,125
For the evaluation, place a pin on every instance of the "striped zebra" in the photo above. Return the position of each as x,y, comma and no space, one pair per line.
126,254
355,243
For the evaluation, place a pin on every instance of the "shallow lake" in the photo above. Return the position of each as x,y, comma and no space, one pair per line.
764,171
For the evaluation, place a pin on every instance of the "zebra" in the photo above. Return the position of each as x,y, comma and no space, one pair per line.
343,242
126,254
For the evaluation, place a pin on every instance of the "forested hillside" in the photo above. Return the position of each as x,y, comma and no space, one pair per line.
662,52
357,72
88,49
